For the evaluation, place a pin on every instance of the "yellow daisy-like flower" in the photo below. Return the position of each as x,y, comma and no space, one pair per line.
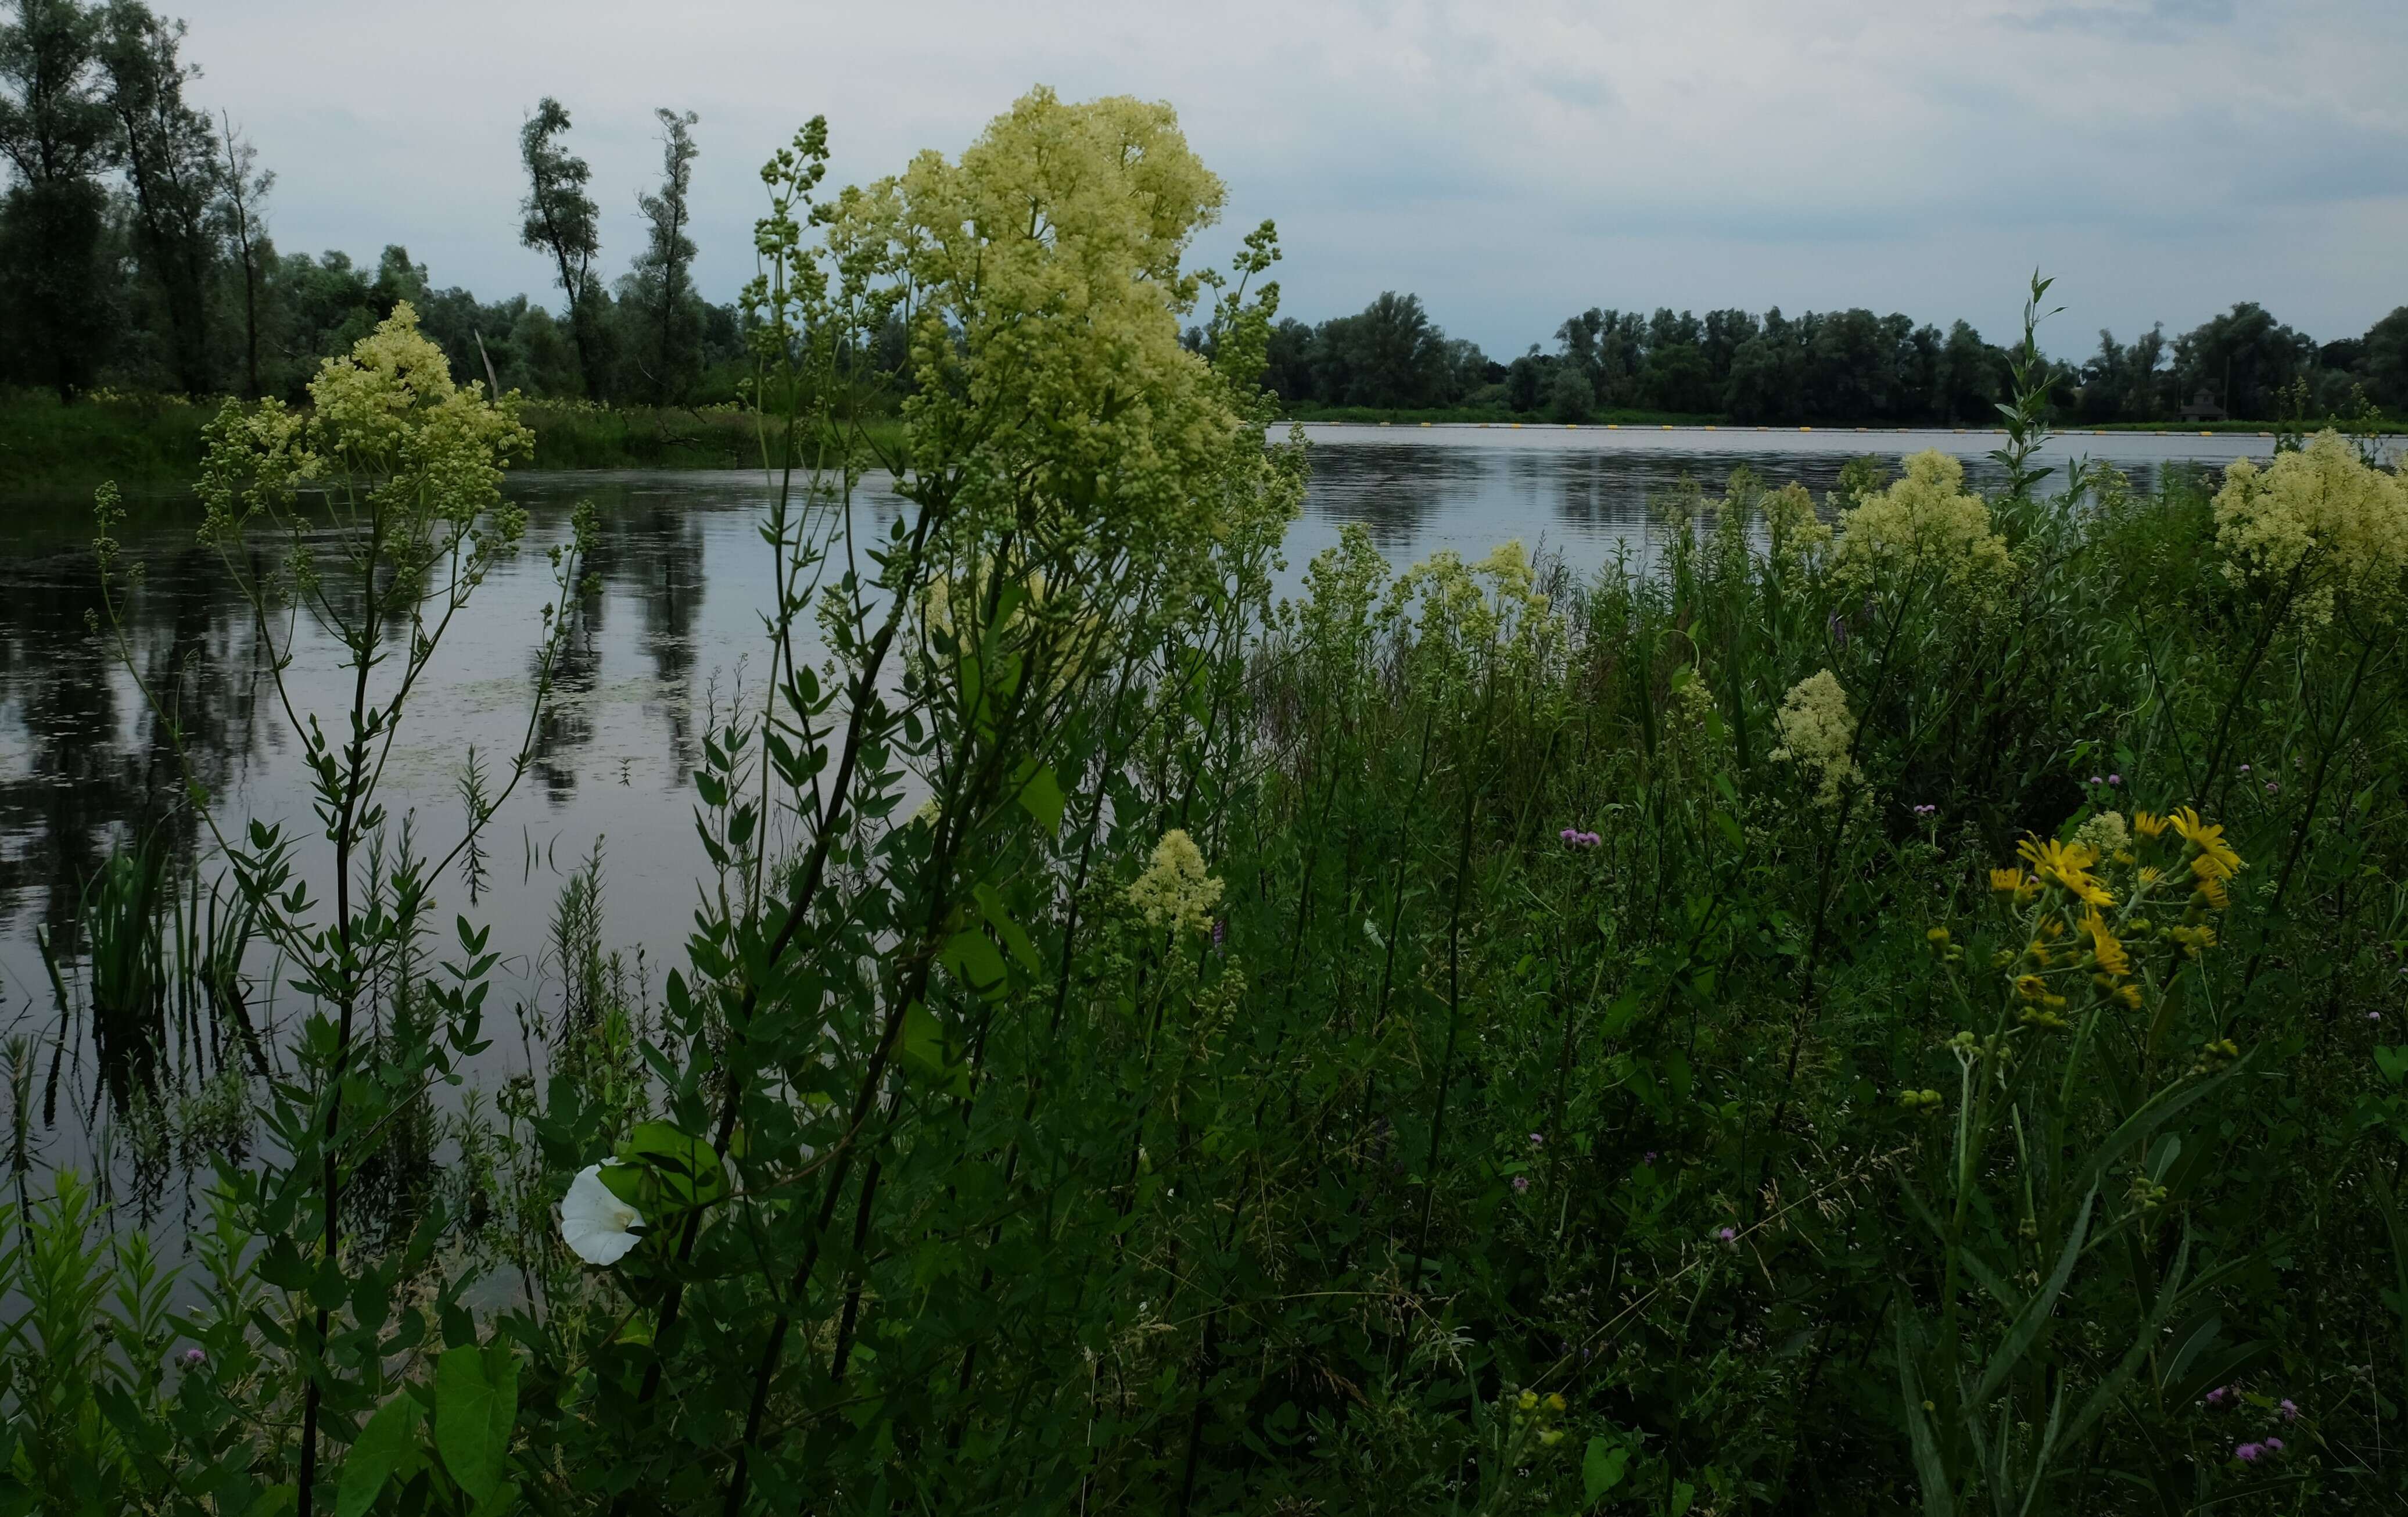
2103,946
2150,875
2212,891
2067,864
2006,880
2130,995
2030,987
2148,824
2208,837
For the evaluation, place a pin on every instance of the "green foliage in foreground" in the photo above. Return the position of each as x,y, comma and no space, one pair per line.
1469,1041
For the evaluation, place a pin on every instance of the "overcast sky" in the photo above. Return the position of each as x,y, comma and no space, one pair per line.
1509,161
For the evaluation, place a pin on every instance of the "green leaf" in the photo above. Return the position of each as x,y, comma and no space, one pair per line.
386,1449
2036,1311
1041,794
274,1501
1015,937
476,1404
1601,1468
713,790
975,961
1938,1500
687,1168
922,1046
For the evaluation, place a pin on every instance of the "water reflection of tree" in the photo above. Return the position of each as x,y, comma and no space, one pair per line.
566,728
99,767
670,586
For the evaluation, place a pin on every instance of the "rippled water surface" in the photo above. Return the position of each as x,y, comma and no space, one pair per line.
670,636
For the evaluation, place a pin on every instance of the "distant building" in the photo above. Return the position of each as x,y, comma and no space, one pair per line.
2203,407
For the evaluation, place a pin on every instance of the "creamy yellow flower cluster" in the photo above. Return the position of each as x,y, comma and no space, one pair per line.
387,418
1174,891
2086,915
2322,522
1924,523
1818,734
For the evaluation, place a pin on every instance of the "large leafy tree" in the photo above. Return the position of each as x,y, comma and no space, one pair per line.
175,174
561,221
662,282
2241,358
55,129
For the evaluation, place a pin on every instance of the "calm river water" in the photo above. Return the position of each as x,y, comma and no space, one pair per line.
672,634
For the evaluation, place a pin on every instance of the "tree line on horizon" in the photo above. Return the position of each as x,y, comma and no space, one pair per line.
1827,367
136,252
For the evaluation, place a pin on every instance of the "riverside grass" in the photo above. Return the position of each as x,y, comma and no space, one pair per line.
1416,1048
151,444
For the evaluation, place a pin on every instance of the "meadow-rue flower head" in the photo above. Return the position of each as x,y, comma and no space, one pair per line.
597,1226
2321,522
1924,522
1796,533
1818,733
2105,834
1174,890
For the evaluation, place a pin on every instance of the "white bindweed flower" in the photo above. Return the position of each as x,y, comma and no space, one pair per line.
597,1226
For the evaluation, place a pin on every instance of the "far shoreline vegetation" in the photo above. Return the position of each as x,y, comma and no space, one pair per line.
150,445
141,286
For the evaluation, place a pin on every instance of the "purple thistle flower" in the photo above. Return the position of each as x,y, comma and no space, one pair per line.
2219,1396
2097,780
1521,1182
2288,1411
2245,769
2115,779
2249,1453
193,1358
2274,1445
1727,1237
1537,1141
1651,1155
2274,787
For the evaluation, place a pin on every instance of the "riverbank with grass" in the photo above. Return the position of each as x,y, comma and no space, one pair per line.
153,444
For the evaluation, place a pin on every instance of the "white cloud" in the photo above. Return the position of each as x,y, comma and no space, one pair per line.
1511,161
